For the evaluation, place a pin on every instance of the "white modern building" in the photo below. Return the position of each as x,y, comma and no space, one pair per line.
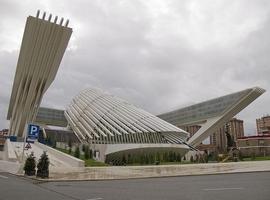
212,114
113,126
44,43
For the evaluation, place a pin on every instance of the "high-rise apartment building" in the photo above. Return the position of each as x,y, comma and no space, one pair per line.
219,139
263,125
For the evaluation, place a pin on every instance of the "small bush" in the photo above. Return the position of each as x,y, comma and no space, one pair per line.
91,154
30,165
178,157
253,156
43,166
191,159
86,152
69,150
77,152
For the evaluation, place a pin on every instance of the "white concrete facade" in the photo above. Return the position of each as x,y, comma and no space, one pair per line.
43,46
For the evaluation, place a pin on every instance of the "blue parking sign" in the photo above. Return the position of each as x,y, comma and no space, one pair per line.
33,131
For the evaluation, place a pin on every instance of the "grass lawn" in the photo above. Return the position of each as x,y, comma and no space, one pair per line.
62,150
259,158
94,163
87,163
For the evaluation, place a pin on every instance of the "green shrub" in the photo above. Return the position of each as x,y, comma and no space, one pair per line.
178,158
43,166
30,165
191,159
158,157
253,156
77,152
69,143
86,152
91,154
83,147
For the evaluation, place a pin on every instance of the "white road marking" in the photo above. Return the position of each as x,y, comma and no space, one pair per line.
99,198
219,189
1,176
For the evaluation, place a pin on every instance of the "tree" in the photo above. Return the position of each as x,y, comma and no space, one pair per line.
77,152
124,161
129,159
240,155
196,158
152,159
178,157
30,165
171,159
54,144
191,159
70,146
165,157
158,157
141,159
69,150
86,152
91,154
253,155
174,157
83,147
205,157
43,166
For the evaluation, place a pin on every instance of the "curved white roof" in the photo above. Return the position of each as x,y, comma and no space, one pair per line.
99,117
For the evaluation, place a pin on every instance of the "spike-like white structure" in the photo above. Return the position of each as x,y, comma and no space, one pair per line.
42,49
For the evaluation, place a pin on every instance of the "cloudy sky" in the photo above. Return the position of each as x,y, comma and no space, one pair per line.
158,54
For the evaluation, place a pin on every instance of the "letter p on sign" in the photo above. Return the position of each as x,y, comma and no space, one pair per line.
33,131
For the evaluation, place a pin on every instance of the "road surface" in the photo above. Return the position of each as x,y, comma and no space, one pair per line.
242,186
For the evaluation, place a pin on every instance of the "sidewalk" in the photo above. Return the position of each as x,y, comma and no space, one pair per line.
127,172
11,167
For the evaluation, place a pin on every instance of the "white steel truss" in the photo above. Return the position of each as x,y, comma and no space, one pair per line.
99,117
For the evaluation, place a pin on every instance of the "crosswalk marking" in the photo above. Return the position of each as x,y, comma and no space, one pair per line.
217,189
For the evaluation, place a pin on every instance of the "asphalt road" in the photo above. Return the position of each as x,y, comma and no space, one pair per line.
246,186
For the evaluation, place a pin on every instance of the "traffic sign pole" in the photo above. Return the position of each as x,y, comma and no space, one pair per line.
31,131
24,141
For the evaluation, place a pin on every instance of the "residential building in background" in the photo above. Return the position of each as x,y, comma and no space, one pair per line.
257,145
263,125
218,139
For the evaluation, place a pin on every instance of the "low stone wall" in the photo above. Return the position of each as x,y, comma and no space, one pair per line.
72,161
126,172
